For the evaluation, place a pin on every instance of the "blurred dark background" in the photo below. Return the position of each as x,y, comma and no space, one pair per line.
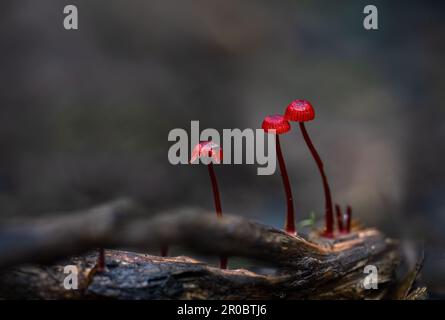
85,114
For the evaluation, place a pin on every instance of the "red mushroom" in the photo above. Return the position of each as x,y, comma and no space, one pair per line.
302,111
212,152
277,124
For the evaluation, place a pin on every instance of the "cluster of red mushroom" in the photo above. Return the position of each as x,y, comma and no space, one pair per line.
301,111
209,152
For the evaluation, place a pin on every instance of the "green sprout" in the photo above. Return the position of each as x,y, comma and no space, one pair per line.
308,222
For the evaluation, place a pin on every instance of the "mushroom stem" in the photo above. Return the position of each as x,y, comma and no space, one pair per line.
164,251
223,262
329,215
215,190
339,218
101,260
348,219
222,259
290,218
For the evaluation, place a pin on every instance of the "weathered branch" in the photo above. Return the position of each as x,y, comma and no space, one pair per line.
303,269
62,234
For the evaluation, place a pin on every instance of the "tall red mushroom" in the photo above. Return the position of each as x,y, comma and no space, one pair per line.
212,152
302,111
277,124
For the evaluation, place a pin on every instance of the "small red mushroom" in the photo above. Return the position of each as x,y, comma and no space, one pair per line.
302,111
212,153
277,124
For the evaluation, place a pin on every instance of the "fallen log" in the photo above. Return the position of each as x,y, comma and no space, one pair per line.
297,268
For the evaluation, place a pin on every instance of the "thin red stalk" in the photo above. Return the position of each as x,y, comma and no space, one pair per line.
348,219
215,190
101,260
290,217
223,262
339,218
222,259
164,251
329,215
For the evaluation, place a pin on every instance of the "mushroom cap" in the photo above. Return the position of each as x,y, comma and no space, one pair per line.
209,150
276,122
300,110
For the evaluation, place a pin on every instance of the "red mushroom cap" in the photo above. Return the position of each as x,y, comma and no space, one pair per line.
276,122
300,110
207,149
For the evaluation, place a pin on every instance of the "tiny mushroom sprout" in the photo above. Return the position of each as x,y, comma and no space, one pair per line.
344,221
164,251
100,265
277,124
209,153
339,215
348,219
302,111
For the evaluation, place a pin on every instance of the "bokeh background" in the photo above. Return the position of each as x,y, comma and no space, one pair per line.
85,114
